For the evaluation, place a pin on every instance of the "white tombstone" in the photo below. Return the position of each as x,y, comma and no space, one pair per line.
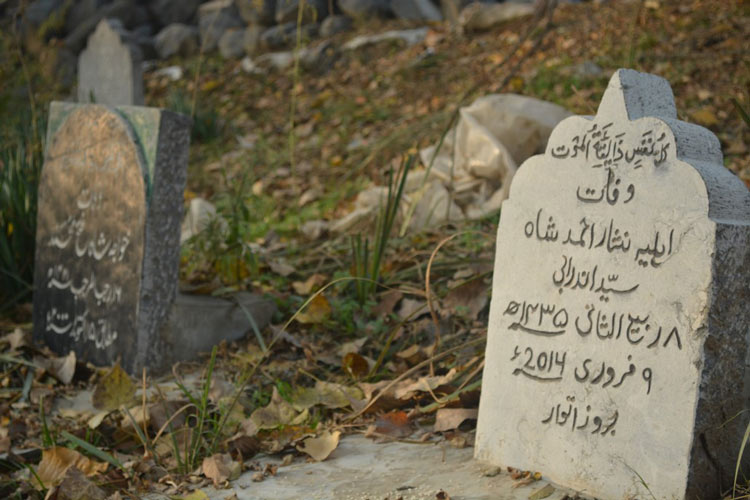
109,69
618,326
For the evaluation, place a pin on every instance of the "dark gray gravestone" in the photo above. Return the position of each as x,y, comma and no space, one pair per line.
109,70
107,251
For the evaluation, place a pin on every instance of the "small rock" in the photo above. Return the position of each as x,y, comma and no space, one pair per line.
251,39
214,18
332,25
366,8
173,73
249,66
170,12
588,69
410,37
416,10
231,43
485,16
319,58
278,60
177,39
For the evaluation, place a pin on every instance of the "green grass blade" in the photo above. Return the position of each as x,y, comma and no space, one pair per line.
93,450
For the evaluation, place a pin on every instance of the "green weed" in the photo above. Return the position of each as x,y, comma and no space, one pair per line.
367,263
206,122
20,169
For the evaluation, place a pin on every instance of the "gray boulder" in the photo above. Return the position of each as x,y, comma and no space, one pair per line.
485,16
214,18
285,35
314,11
332,25
257,12
416,10
122,10
231,43
251,39
170,11
80,11
179,39
366,8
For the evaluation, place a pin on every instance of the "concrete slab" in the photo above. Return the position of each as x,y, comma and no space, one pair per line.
361,469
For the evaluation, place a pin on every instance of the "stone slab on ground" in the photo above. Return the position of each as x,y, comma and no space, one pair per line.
361,469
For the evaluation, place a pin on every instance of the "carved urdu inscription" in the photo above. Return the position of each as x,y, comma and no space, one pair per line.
598,309
90,237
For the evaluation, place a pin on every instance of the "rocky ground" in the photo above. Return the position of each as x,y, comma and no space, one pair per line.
282,149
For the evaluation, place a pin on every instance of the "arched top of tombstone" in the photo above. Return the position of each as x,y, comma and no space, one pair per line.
636,128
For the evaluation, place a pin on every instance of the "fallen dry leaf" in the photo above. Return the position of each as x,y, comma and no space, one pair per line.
412,308
394,424
220,388
316,311
309,285
448,419
387,303
97,419
57,460
327,394
468,299
195,495
543,492
15,340
705,116
319,448
113,390
407,388
220,468
62,368
277,412
355,365
281,267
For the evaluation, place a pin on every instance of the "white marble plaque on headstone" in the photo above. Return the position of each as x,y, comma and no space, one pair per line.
618,326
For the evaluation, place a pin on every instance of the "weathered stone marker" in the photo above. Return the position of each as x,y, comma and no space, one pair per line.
109,69
619,320
108,231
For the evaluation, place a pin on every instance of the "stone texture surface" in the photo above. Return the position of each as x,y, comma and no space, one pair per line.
79,30
618,325
198,322
214,18
231,43
361,469
313,11
178,39
110,204
333,25
485,16
365,8
109,70
417,10
169,11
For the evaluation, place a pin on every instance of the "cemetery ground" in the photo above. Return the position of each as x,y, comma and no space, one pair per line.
385,340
